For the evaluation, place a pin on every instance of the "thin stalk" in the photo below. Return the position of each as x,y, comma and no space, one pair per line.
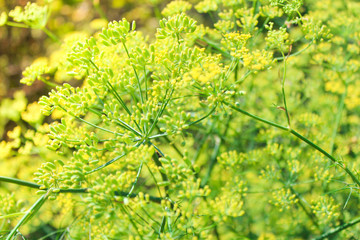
143,219
149,216
48,83
51,35
122,123
177,151
118,121
236,73
262,27
158,135
216,47
128,127
136,179
37,186
15,24
307,211
153,176
136,75
255,3
218,141
162,226
133,195
213,157
117,96
47,236
19,182
12,215
161,154
105,164
301,201
146,86
338,119
201,145
122,103
30,213
283,91
91,124
204,117
161,111
164,177
233,65
71,190
132,222
338,229
174,146
298,135
238,81
256,117
296,53
333,159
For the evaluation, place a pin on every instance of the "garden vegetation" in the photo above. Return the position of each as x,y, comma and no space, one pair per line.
232,119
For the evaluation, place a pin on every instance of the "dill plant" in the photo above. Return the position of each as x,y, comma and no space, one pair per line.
175,136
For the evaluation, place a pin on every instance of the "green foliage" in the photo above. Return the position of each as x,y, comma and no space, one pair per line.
32,15
176,7
289,7
174,136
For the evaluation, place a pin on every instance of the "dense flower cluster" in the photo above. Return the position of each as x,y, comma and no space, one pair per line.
152,145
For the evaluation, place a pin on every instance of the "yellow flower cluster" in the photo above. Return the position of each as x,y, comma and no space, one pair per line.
283,199
326,210
176,7
258,60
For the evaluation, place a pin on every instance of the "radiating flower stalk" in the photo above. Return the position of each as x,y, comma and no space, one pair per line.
150,146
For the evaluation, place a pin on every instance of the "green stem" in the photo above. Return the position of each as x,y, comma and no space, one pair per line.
133,195
304,139
136,75
118,97
12,215
256,117
301,201
171,144
216,47
296,53
136,179
164,177
51,35
161,111
15,24
154,178
105,164
30,213
307,211
19,182
146,86
48,83
213,157
338,119
71,190
333,159
283,91
255,3
338,229
263,26
204,117
218,141
37,186
89,123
